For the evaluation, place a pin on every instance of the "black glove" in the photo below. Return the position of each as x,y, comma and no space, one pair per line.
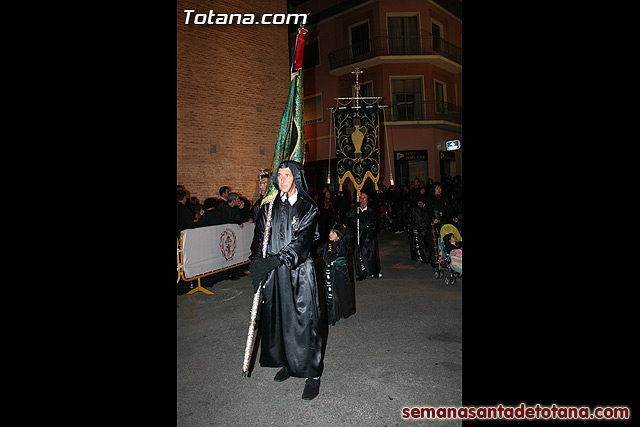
260,267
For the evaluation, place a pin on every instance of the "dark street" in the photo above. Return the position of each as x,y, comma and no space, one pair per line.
402,347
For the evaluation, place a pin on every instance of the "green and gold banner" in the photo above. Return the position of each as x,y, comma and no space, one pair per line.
357,146
291,142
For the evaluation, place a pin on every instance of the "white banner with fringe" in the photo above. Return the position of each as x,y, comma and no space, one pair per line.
212,248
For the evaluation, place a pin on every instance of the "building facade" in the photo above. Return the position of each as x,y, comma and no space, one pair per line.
232,86
410,52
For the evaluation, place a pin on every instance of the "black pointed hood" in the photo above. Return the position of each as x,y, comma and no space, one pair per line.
298,176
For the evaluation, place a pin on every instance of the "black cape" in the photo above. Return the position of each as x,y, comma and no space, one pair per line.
291,318
420,237
365,258
337,284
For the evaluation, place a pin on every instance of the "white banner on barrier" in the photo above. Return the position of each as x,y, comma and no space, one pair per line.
211,248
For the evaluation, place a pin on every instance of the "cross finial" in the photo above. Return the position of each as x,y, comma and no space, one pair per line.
357,72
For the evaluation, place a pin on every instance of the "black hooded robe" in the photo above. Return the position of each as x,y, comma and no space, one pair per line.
420,239
337,283
291,318
365,258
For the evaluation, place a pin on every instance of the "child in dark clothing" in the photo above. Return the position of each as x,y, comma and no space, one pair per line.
337,284
451,243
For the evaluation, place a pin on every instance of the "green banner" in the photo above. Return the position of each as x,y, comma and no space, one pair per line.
291,142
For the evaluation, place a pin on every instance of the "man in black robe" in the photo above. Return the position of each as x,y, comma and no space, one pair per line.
419,231
184,216
256,244
290,316
365,258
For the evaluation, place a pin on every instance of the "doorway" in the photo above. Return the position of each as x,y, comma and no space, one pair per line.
410,165
447,164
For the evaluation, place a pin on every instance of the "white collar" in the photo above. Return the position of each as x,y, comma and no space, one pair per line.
291,199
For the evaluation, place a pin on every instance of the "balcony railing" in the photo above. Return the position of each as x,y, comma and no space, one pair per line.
387,45
428,110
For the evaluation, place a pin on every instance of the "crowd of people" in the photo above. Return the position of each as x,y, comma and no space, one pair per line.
228,208
410,208
418,209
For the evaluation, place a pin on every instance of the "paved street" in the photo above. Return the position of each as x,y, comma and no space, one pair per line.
403,347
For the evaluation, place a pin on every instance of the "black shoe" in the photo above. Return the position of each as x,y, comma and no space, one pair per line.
311,388
360,278
282,375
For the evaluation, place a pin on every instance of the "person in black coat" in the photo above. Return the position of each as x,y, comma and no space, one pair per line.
256,246
342,204
440,212
420,231
439,208
207,217
229,212
184,216
326,219
365,257
337,283
244,208
264,179
184,219
290,317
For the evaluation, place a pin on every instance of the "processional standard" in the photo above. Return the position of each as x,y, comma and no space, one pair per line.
290,146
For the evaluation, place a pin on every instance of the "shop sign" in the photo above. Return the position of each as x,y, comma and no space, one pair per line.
411,156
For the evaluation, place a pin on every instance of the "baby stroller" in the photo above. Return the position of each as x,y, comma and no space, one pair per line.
451,262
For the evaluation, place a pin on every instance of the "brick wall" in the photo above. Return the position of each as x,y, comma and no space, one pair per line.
226,73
